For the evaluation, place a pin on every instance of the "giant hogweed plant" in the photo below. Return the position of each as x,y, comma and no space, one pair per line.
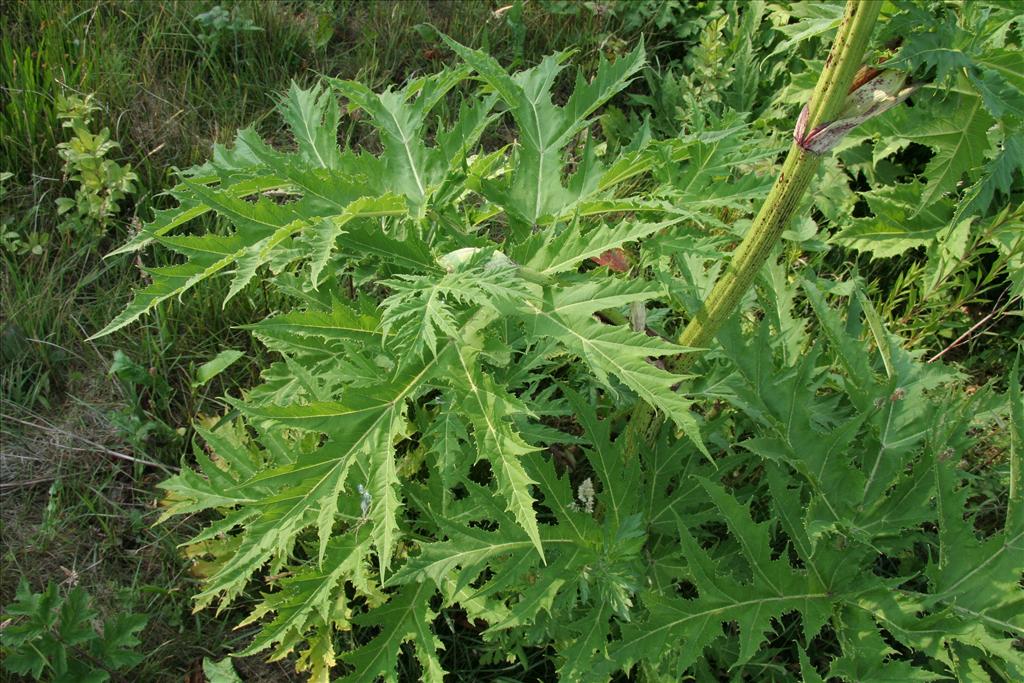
445,426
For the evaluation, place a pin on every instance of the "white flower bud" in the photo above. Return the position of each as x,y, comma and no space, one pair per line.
585,492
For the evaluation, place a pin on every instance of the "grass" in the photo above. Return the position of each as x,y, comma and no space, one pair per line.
75,512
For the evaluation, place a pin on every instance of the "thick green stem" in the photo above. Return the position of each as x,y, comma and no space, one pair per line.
797,172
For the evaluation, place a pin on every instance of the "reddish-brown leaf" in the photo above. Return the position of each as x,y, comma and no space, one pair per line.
616,259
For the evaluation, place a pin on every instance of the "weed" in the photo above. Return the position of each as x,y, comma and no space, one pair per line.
45,632
396,465
102,183
77,496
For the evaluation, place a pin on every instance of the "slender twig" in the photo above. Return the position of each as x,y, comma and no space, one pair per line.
963,337
97,446
56,346
26,482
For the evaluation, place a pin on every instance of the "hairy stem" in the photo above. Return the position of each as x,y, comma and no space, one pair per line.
797,172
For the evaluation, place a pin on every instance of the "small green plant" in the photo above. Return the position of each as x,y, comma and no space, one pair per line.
147,393
33,243
11,239
61,638
218,24
679,20
220,672
102,183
